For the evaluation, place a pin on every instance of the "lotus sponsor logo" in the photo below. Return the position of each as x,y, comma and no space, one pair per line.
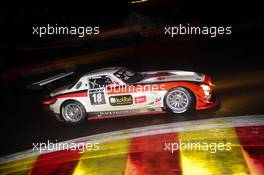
140,99
121,100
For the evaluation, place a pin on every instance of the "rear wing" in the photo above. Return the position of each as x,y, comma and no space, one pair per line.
39,84
51,79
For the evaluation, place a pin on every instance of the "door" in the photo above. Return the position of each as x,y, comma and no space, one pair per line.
97,92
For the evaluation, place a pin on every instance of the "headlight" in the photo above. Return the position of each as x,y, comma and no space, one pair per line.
206,89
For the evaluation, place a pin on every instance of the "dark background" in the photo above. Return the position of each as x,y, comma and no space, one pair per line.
18,18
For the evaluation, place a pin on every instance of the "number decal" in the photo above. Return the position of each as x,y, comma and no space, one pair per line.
97,96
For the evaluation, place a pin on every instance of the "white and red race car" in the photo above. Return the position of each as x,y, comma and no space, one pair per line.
118,91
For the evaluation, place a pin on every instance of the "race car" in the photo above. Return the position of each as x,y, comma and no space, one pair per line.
118,91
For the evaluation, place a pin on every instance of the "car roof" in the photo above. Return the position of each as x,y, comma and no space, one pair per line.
109,70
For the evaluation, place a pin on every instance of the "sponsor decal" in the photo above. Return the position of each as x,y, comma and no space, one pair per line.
157,100
140,99
110,113
121,100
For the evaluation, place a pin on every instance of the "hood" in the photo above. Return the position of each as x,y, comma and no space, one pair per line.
171,75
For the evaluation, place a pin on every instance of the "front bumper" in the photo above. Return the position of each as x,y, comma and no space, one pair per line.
214,102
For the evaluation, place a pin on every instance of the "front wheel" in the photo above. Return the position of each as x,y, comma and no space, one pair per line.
73,112
179,100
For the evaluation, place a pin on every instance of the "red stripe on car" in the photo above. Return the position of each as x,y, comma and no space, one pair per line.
75,94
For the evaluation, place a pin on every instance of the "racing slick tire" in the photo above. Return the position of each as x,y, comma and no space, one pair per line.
179,100
73,112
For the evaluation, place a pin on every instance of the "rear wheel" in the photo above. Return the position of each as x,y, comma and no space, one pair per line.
73,112
179,100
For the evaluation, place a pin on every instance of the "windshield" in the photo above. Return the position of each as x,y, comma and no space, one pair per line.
128,76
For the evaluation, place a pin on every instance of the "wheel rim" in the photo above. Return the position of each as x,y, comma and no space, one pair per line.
178,101
72,112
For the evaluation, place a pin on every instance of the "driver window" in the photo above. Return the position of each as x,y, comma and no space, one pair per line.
99,82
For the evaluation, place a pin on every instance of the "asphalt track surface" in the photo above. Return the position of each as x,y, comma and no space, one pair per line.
239,85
